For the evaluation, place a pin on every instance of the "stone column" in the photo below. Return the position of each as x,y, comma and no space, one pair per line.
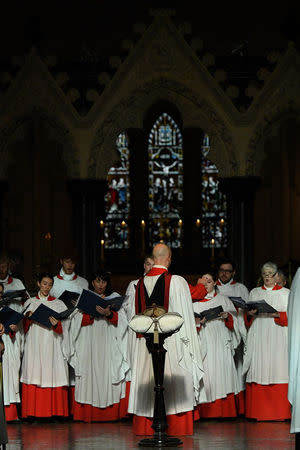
240,193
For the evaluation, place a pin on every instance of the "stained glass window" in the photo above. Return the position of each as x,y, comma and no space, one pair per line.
117,199
214,221
165,182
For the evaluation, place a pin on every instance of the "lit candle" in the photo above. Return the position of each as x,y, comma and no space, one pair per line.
143,224
198,222
102,251
123,224
222,221
180,223
101,224
212,248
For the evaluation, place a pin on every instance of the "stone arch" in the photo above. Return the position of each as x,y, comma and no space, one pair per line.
15,128
269,125
129,113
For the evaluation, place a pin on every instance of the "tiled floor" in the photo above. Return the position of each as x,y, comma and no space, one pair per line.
219,435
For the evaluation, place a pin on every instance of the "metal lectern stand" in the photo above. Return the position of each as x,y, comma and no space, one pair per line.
158,353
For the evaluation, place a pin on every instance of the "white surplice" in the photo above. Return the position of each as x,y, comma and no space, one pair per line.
13,348
266,357
13,284
44,363
218,343
183,379
294,352
11,368
235,289
64,282
100,359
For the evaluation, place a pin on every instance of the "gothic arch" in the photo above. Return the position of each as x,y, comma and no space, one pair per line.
56,131
272,120
129,113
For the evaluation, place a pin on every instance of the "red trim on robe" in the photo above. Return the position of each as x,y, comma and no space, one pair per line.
61,278
282,320
223,407
198,292
275,288
88,413
26,324
181,424
229,322
218,283
114,319
9,280
87,320
267,402
11,412
44,402
58,329
156,271
248,320
12,334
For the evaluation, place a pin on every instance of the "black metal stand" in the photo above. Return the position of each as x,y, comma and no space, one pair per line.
160,438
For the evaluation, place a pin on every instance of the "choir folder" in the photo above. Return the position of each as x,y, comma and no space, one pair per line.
88,301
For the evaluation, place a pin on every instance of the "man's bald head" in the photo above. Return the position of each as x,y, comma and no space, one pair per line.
162,255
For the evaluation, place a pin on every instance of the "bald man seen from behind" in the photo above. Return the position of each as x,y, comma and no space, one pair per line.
183,368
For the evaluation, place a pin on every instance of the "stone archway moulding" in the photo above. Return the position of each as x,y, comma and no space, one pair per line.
129,113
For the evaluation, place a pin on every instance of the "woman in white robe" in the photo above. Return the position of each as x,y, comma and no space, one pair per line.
266,356
100,359
11,362
219,338
44,373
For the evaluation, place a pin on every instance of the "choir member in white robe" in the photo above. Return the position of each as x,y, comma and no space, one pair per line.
266,355
44,372
130,293
68,280
294,353
14,345
11,362
230,288
100,359
219,338
183,367
10,283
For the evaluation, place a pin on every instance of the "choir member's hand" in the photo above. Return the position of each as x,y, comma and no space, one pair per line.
13,327
275,315
2,347
252,312
103,311
1,329
53,321
28,314
224,315
73,302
